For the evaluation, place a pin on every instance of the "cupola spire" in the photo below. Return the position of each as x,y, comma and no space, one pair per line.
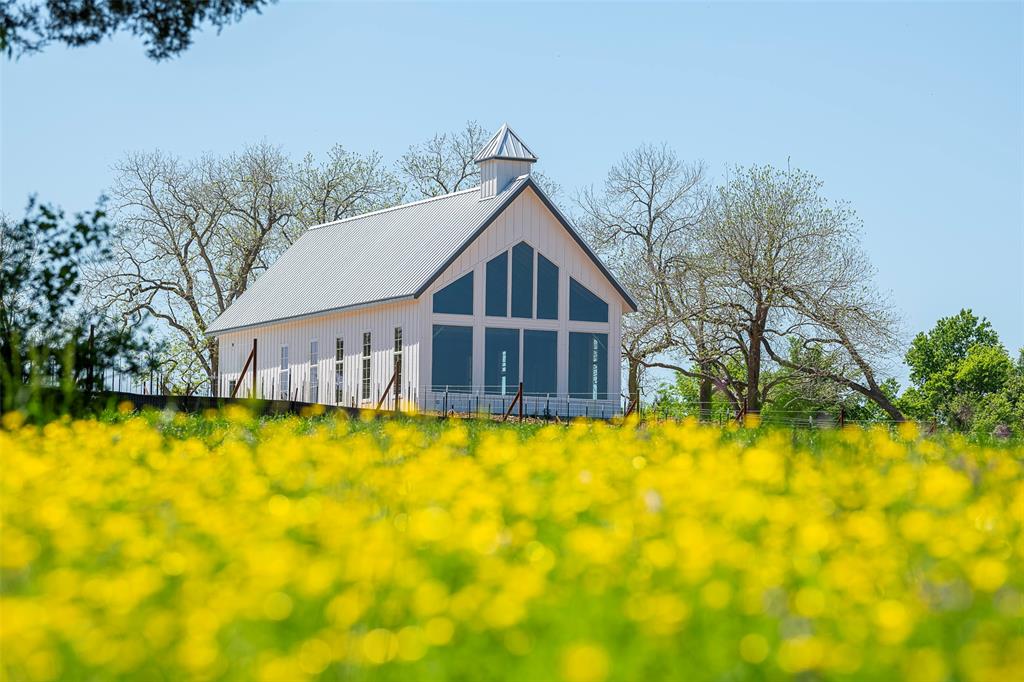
503,159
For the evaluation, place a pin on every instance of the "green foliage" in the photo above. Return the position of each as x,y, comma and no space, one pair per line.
963,377
30,25
45,327
681,398
934,356
791,397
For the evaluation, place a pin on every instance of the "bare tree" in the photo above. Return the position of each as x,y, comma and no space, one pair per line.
783,263
344,185
192,236
644,223
444,163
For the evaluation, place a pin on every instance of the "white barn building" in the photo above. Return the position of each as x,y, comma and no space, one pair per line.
458,298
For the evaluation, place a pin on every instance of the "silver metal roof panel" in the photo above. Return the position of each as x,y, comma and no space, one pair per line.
387,255
505,145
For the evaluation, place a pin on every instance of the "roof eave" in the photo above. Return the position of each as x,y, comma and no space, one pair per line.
531,159
316,313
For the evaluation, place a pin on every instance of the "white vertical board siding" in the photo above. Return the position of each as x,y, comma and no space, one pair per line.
379,320
528,219
496,174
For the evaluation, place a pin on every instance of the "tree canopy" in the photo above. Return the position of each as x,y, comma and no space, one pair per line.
167,28
963,376
50,337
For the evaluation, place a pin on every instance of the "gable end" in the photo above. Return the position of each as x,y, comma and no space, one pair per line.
561,220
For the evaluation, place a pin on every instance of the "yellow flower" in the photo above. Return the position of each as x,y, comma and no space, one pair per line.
585,662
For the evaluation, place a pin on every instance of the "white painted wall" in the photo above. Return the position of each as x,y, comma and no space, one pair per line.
379,320
496,174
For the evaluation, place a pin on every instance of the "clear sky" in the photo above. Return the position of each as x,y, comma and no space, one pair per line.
911,111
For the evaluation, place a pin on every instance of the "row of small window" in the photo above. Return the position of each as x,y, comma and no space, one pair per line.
286,392
452,364
457,297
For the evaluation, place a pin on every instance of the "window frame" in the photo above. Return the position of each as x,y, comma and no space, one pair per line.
512,380
367,367
547,334
314,370
537,297
448,288
339,370
284,370
504,283
525,279
397,357
596,368
435,386
585,291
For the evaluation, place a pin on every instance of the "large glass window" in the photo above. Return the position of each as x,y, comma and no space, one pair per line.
496,301
314,371
522,280
366,367
456,298
284,375
585,305
540,362
588,366
339,371
452,358
501,361
547,289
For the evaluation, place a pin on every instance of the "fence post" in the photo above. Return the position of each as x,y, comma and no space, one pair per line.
520,402
89,375
253,369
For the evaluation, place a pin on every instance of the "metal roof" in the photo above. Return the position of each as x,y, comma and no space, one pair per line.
505,145
388,255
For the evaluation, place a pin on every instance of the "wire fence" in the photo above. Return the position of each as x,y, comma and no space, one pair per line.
488,401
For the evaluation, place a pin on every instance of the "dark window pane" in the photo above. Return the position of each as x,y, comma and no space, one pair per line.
540,362
452,358
501,361
547,289
585,305
588,366
497,286
522,280
456,298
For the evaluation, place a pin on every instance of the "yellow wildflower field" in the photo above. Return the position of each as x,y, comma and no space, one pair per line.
224,547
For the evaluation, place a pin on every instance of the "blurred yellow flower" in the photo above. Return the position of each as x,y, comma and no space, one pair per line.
227,546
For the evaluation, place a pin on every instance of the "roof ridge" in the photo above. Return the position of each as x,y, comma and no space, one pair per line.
392,208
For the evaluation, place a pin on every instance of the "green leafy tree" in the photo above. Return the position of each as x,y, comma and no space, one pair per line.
28,26
963,376
935,358
50,342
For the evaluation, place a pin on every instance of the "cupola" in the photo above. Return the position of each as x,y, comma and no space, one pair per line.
503,159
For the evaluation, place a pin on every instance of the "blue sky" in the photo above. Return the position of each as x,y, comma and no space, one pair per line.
913,112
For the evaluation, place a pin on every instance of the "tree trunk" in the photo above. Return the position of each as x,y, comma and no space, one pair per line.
634,380
882,400
215,369
752,403
706,391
